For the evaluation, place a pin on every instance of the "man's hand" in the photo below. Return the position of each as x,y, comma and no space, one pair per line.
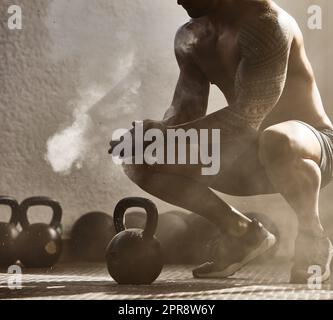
146,125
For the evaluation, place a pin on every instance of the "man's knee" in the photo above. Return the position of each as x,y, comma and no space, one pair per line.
275,146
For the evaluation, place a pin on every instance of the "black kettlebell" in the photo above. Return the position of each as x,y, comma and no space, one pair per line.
91,235
9,233
40,244
134,256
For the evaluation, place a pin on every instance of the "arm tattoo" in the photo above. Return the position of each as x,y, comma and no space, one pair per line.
260,79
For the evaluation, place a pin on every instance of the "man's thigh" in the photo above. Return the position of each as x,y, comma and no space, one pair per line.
240,174
248,175
244,174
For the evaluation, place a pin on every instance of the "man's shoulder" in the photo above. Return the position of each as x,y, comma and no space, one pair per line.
192,34
267,30
269,19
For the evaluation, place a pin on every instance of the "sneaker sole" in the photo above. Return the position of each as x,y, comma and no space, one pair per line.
268,243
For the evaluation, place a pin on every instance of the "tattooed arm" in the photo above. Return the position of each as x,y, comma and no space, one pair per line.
265,46
190,100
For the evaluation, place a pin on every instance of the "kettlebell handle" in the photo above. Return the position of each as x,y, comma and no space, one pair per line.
40,201
134,202
13,204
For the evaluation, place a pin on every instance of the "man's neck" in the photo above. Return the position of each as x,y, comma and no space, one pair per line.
231,11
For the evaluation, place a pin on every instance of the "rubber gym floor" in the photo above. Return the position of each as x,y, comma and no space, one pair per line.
77,281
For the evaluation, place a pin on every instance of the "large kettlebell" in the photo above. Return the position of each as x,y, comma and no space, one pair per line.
134,256
91,235
9,233
40,244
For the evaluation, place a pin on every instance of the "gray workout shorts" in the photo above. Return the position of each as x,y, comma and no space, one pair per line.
325,138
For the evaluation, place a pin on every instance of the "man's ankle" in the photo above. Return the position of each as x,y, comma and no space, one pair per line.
311,231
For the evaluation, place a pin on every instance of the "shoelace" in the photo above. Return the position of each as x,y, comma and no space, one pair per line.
220,247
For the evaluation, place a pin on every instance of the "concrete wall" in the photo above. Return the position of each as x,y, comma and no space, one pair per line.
80,69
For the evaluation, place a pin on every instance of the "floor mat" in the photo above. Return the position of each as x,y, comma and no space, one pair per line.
92,282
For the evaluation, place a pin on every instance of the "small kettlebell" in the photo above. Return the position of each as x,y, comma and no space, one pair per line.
40,244
134,256
9,233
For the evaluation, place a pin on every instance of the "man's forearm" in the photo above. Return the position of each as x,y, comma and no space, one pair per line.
223,119
184,113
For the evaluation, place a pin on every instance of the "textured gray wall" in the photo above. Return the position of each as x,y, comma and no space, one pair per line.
80,69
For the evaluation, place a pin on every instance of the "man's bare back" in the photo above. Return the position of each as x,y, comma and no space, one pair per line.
215,51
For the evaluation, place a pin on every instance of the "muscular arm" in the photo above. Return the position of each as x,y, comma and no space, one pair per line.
191,95
260,79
